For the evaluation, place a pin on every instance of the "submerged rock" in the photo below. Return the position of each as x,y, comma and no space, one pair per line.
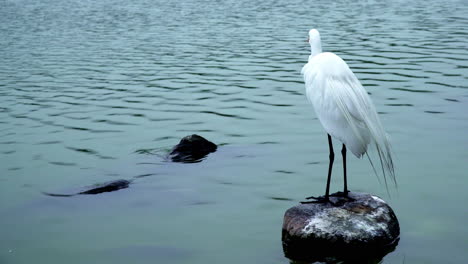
361,229
191,149
107,187
110,186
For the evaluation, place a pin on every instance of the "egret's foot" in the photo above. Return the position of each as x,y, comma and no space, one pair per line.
320,199
315,198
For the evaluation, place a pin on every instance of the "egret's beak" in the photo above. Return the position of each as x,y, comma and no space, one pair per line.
307,39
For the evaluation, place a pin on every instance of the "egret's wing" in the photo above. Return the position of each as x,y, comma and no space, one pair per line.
330,115
355,103
352,102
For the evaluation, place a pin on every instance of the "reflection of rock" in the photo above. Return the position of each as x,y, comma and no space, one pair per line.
192,149
362,229
98,188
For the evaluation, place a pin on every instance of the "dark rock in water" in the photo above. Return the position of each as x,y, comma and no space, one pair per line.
98,188
192,149
107,187
362,229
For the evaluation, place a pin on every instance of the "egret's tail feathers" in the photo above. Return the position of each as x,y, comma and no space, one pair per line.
358,110
373,168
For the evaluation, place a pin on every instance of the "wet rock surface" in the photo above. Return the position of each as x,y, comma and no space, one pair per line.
192,149
362,228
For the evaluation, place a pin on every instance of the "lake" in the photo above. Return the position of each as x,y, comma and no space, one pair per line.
94,91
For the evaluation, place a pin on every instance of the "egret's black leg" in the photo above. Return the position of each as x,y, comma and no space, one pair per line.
330,166
326,198
345,189
343,153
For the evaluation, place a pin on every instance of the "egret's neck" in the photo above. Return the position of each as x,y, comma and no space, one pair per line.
315,47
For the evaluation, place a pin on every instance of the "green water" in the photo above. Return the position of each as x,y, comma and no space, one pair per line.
92,91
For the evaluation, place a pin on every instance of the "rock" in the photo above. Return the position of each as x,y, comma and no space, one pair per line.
97,188
192,149
362,229
107,187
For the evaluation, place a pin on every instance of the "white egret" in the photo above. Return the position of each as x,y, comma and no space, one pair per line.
344,109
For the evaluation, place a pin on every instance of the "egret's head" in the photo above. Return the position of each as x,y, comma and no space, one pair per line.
313,35
315,42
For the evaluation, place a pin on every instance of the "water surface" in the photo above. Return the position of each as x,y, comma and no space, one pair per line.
92,91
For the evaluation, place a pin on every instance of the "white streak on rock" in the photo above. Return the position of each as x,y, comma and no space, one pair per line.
378,199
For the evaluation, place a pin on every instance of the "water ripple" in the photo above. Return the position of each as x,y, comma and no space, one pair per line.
115,76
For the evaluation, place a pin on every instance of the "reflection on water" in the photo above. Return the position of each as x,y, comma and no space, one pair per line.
370,257
87,87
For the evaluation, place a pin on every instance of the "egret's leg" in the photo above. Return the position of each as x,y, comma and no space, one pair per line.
345,190
326,199
330,166
343,153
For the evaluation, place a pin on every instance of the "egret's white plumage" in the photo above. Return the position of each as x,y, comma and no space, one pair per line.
342,105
